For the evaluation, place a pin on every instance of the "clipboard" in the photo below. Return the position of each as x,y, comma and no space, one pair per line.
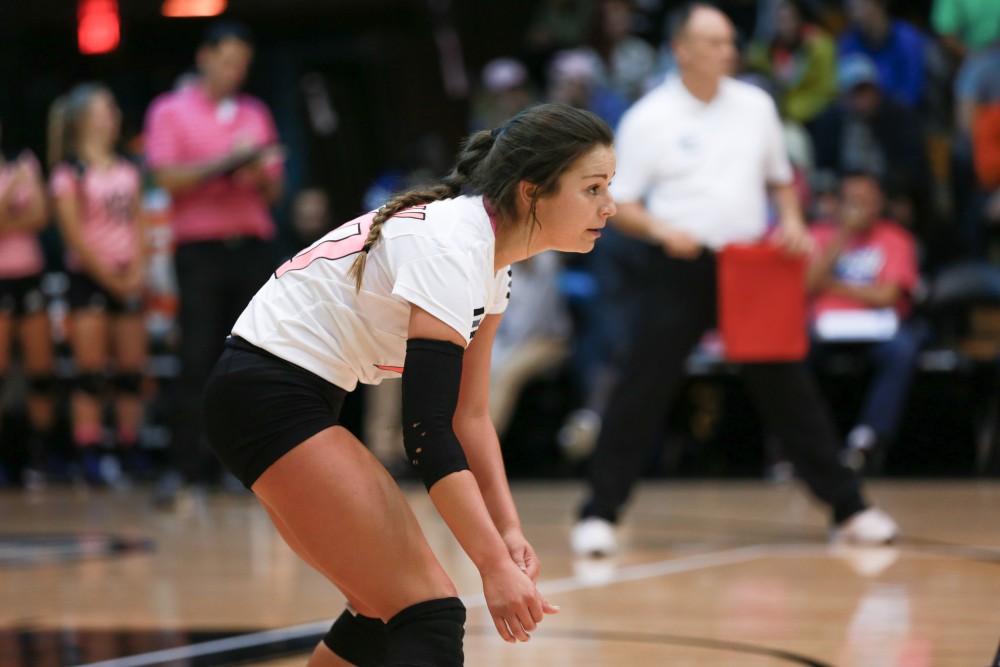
762,303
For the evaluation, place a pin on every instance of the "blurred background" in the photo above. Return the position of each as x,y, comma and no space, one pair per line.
371,96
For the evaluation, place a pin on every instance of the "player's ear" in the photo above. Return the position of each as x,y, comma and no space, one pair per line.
526,192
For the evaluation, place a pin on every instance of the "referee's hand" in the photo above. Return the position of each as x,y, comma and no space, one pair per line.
679,244
795,239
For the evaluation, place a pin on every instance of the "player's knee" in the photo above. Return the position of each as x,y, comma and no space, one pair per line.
427,633
360,640
91,383
128,383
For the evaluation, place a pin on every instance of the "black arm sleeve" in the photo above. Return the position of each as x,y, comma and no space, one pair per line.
431,379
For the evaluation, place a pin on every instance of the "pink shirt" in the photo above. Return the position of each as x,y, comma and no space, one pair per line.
885,255
20,252
188,128
107,200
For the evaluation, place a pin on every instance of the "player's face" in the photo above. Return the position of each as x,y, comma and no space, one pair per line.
102,121
572,218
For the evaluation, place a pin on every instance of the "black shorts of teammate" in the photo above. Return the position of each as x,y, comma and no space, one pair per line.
21,296
257,408
86,294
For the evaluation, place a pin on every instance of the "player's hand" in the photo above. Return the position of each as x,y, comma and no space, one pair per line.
794,238
522,554
514,603
679,244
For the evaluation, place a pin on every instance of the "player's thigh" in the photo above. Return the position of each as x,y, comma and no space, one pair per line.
6,329
289,537
35,336
89,338
345,511
129,332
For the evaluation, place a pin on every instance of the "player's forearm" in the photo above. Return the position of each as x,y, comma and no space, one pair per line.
459,502
876,296
486,462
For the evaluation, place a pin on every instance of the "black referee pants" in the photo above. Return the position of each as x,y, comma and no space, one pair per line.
679,305
215,280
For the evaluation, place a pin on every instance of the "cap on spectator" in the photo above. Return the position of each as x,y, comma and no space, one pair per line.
502,74
856,69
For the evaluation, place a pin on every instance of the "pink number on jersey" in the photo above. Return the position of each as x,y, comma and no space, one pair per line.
348,239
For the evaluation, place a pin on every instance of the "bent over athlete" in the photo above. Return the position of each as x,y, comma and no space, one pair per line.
415,289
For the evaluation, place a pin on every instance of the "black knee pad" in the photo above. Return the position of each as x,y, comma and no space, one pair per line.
91,383
42,384
428,634
360,640
128,383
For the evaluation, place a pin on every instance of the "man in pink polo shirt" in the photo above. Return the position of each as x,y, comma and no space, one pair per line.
215,151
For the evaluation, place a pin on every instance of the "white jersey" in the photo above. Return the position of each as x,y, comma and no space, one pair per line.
438,256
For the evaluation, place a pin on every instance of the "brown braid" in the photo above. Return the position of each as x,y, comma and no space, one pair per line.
475,148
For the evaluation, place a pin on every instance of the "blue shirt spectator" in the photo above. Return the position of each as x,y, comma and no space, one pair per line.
895,46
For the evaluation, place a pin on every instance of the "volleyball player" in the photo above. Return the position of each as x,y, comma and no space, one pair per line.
419,284
97,198
22,305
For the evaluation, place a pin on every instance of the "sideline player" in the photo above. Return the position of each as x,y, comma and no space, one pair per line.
421,283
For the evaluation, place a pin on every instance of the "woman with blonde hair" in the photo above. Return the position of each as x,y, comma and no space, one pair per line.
97,204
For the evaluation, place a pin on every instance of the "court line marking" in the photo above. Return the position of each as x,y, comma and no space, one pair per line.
625,574
318,628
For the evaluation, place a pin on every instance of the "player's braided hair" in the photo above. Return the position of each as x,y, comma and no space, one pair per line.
537,145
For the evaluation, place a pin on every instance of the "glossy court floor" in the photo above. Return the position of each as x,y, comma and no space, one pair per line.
712,574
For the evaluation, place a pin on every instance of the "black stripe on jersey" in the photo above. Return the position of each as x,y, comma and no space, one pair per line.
478,311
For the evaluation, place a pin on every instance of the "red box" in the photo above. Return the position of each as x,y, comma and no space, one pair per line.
762,303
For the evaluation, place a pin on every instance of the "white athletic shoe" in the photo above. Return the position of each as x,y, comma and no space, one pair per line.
594,536
871,526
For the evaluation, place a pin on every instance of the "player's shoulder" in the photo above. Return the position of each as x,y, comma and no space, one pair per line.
252,104
447,224
890,229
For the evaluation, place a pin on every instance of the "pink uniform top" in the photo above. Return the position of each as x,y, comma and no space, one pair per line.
107,200
20,252
885,255
187,127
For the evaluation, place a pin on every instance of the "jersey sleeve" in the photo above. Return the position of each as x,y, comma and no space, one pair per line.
63,182
501,292
442,285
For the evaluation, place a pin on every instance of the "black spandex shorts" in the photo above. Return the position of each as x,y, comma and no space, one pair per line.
258,407
21,296
85,293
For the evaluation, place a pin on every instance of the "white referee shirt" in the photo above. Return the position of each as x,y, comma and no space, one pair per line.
699,167
438,256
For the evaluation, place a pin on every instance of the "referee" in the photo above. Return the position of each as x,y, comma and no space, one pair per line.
696,159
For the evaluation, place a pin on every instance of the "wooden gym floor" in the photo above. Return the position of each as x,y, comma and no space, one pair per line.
713,574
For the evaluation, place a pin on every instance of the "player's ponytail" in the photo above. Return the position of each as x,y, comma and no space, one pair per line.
475,148
536,145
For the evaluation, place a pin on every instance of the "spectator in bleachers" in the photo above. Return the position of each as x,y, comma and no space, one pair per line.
986,144
506,88
23,317
577,78
967,27
97,196
559,24
214,150
801,59
870,132
628,59
310,216
862,278
895,46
